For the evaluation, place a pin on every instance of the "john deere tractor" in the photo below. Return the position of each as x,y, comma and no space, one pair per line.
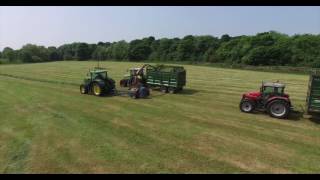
97,83
271,98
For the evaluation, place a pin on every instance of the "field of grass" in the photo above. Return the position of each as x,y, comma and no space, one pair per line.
47,126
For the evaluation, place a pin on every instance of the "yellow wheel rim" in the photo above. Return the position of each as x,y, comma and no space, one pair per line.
96,90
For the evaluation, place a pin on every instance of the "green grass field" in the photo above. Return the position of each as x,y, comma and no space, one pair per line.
47,126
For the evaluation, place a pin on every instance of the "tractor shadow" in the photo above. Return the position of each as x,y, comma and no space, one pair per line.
293,116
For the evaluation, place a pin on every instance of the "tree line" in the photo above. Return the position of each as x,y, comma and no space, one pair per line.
267,48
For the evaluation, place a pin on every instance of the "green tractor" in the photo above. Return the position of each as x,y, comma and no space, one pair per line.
98,83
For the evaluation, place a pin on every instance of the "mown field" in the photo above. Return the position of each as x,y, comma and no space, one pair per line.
47,126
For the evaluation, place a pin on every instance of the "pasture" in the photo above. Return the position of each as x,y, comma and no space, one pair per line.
47,126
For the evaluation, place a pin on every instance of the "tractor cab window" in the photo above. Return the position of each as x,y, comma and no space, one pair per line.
101,75
133,72
268,89
272,89
278,90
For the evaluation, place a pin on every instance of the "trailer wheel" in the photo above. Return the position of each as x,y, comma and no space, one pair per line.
164,89
83,89
172,90
278,109
246,106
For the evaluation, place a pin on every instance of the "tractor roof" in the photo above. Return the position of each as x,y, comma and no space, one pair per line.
274,84
98,71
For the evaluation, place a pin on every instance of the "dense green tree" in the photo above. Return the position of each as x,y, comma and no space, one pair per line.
266,48
139,50
225,38
202,45
66,52
33,53
185,49
9,54
53,54
99,53
119,51
82,51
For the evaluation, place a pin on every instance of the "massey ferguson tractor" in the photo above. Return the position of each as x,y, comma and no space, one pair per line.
271,99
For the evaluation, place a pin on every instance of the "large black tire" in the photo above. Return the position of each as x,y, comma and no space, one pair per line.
278,109
143,92
97,89
247,106
164,89
83,89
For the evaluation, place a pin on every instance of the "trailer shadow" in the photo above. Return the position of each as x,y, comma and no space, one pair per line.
315,119
183,92
188,92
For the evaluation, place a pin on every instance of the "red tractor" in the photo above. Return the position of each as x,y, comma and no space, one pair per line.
271,98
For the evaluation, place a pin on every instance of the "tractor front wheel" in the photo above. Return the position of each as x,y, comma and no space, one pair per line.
246,106
278,109
97,89
83,89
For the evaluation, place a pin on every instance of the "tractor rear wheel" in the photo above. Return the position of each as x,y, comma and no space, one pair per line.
97,89
278,109
246,106
83,89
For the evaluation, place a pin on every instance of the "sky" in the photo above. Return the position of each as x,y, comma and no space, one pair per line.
54,26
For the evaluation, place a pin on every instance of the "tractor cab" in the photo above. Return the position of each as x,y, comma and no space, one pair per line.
132,72
272,88
98,74
133,75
